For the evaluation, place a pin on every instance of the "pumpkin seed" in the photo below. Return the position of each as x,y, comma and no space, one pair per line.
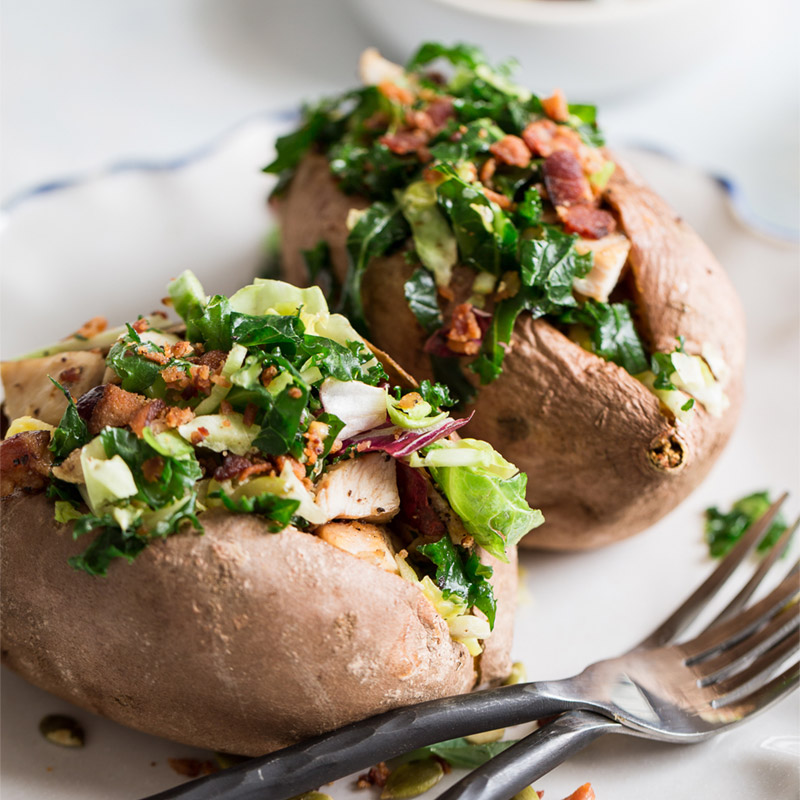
517,674
412,779
62,730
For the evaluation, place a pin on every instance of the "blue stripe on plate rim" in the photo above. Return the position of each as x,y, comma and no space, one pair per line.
737,200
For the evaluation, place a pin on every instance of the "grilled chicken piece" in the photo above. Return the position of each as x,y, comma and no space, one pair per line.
361,488
610,255
25,462
29,391
370,543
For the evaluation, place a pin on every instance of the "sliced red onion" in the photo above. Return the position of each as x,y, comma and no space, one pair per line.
360,406
400,442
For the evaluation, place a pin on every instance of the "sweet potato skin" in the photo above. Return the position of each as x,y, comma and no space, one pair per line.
603,461
238,640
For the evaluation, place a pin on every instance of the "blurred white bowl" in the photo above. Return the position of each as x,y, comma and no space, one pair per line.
592,49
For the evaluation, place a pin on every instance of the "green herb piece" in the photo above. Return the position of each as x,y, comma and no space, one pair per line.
459,55
279,510
71,432
723,530
110,542
461,754
421,296
378,229
281,426
437,394
461,574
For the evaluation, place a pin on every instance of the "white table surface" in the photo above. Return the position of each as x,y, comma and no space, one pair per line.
86,83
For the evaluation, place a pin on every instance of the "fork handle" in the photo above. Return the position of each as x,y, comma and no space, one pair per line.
360,745
512,770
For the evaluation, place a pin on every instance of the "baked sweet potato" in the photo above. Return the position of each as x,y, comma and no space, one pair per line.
334,576
611,439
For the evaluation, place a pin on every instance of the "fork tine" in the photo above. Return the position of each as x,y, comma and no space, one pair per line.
785,622
765,565
762,698
729,633
763,665
679,620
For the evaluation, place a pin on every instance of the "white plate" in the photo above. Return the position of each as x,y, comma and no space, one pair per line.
109,244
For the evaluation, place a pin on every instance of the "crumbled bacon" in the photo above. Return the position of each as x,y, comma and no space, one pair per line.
231,466
115,408
511,150
175,416
153,468
25,461
564,180
141,325
176,377
250,412
225,407
465,333
295,393
556,106
268,374
91,328
377,776
152,355
398,94
405,141
501,200
197,436
587,221
315,438
544,138
487,171
213,359
180,349
433,118
298,469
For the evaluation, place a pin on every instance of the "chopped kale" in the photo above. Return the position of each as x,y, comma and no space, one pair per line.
724,529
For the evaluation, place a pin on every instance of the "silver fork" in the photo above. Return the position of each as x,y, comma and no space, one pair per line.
653,689
730,661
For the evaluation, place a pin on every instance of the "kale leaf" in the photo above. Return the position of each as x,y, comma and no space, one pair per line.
279,510
71,432
461,574
421,296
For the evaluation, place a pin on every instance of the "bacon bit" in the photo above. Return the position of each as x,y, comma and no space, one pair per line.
199,348
501,200
397,94
226,423
231,466
225,407
487,171
379,121
364,445
192,767
256,469
404,141
141,325
176,378
556,106
336,446
446,292
465,333
295,393
153,468
377,776
25,461
564,180
175,416
409,400
152,355
440,110
298,469
70,375
431,175
220,380
584,792
179,349
145,416
511,150
90,328
200,378
198,435
268,375
250,412
544,138
116,408
315,438
424,155
587,221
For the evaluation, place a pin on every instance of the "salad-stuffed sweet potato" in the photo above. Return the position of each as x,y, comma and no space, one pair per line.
484,237
308,545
